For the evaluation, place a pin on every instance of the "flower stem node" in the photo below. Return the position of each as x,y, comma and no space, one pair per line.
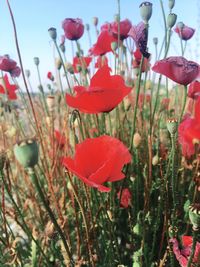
171,20
194,215
146,11
172,125
27,152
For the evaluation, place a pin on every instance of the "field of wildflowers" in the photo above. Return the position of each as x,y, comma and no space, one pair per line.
102,167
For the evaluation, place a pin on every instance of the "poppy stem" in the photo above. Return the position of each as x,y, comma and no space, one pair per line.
184,102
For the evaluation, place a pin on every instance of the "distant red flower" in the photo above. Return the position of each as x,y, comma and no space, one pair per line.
137,59
125,198
103,44
164,103
124,28
143,98
183,254
194,90
104,93
139,34
189,130
73,28
9,65
101,61
50,76
82,62
99,160
8,89
185,33
60,139
178,69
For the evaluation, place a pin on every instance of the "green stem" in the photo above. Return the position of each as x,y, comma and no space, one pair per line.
193,248
184,102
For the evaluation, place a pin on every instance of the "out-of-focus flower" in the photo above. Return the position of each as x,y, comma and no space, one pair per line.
95,169
125,200
185,32
101,61
73,28
50,76
124,28
60,139
139,33
178,69
9,65
194,90
104,93
164,104
81,63
8,89
189,132
182,255
137,59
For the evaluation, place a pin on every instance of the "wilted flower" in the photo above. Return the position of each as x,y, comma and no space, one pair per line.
9,65
184,32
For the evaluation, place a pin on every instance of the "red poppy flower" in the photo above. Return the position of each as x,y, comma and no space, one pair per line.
50,76
183,254
125,198
139,34
103,44
194,90
99,160
137,59
81,63
104,93
189,130
178,69
9,65
185,33
101,61
73,28
124,28
9,89
60,139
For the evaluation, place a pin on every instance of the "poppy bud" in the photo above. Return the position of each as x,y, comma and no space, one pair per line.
73,28
136,140
87,26
155,160
58,64
50,102
146,11
194,215
180,25
69,68
50,76
27,153
171,20
28,73
36,61
171,4
114,46
172,126
62,48
155,40
53,33
95,21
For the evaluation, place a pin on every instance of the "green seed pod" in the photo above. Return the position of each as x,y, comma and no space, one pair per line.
155,40
172,126
146,11
171,4
53,33
180,25
27,153
194,215
28,73
36,61
171,20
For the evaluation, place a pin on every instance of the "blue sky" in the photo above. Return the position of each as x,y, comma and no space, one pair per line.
34,17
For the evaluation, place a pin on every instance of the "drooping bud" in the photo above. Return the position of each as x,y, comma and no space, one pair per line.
171,20
53,33
36,61
69,67
58,64
172,126
171,4
27,152
137,140
194,215
146,11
